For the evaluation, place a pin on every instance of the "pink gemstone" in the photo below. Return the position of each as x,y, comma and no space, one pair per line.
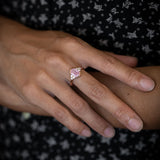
75,72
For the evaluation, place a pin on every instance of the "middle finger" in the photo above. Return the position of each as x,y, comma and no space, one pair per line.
100,94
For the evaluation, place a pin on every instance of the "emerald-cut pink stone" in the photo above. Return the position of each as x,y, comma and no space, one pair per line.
75,72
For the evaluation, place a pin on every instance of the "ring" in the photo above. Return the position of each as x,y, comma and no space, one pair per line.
75,73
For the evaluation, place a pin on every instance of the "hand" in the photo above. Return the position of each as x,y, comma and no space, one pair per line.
16,103
36,65
146,105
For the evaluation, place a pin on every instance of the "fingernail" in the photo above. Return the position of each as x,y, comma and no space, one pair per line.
86,133
135,124
109,132
147,84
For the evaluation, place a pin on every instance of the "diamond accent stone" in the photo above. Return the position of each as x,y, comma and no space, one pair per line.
75,72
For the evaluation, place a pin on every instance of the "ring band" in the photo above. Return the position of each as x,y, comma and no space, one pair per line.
75,73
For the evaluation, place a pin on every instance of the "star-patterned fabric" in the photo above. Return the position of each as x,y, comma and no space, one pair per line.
124,27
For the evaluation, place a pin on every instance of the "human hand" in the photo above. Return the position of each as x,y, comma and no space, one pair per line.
146,105
36,65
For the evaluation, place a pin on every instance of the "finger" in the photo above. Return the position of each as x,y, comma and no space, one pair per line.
113,67
100,94
79,107
16,103
86,55
128,60
39,98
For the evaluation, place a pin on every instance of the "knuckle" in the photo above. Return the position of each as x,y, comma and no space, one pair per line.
97,92
78,106
132,76
70,41
60,115
75,127
54,59
41,75
119,114
108,61
29,91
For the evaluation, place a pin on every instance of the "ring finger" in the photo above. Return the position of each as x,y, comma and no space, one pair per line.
78,106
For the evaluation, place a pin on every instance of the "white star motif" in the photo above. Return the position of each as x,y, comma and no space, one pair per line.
74,4
23,19
118,45
89,148
41,128
33,18
146,49
98,30
81,137
154,138
55,18
127,4
150,33
43,156
137,20
109,19
82,31
15,4
24,4
101,158
105,140
70,19
43,18
158,22
114,11
65,129
114,157
123,138
12,123
139,146
34,125
74,157
27,138
118,23
98,7
51,141
103,42
60,3
33,1
132,35
43,2
154,6
86,16
65,144
16,138
112,35
25,154
124,151
58,158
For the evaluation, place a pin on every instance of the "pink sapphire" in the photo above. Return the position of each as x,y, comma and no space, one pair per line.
75,72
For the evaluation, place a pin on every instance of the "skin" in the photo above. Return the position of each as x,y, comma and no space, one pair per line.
34,68
146,105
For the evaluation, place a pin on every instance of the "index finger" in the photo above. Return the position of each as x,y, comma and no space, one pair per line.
108,64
